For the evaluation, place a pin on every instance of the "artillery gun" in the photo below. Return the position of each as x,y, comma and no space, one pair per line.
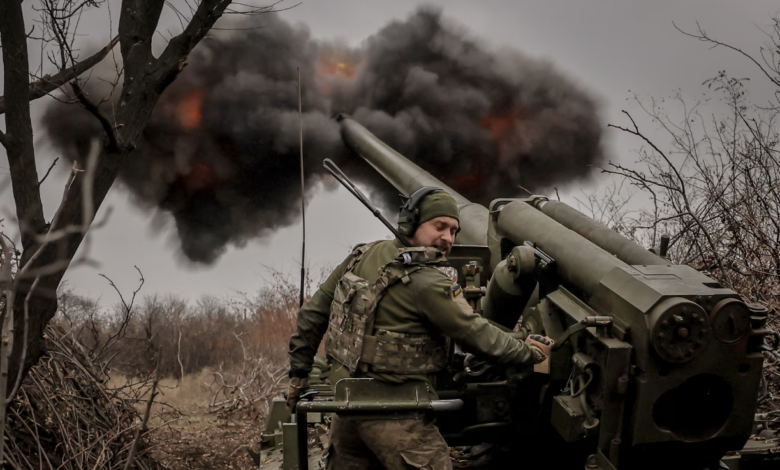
656,365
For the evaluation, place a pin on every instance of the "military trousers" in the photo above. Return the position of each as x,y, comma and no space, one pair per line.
391,444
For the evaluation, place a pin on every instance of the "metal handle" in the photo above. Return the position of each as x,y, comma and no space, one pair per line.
590,321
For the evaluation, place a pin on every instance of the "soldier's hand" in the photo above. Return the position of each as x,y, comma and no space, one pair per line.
542,346
297,385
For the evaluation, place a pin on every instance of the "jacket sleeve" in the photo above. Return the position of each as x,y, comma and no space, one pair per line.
312,324
446,309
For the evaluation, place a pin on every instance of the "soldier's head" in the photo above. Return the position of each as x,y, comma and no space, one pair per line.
430,220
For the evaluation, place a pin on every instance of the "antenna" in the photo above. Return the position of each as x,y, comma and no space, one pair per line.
347,183
303,193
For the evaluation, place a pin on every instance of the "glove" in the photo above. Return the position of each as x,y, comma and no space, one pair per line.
542,346
297,385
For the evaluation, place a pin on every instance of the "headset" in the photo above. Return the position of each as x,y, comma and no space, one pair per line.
409,216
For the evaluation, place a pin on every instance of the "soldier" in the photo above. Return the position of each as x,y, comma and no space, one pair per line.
385,309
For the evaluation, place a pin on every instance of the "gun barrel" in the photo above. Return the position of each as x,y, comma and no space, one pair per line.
408,177
580,262
570,240
601,235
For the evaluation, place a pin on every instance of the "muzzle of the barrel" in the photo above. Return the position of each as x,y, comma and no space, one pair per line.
408,177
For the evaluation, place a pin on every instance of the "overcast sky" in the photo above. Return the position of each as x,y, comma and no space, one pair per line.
613,48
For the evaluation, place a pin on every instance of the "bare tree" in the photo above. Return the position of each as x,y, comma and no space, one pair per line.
48,248
715,189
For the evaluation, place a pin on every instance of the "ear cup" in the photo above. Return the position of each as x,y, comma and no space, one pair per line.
407,219
409,216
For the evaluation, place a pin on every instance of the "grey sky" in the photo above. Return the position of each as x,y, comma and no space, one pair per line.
609,46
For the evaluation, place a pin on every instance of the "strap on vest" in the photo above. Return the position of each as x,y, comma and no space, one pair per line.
397,270
369,350
357,254
386,279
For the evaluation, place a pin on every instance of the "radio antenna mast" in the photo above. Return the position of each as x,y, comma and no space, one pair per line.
303,193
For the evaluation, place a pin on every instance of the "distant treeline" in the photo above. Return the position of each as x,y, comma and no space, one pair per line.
213,332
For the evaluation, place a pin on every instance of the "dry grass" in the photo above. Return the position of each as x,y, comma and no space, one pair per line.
190,395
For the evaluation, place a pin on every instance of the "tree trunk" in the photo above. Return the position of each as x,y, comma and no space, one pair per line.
18,139
18,142
145,79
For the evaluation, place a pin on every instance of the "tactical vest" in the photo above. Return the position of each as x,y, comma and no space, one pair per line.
351,324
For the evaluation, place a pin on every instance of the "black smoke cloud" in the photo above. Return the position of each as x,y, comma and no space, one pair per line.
221,150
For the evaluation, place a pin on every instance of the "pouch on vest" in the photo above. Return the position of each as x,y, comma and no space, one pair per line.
350,328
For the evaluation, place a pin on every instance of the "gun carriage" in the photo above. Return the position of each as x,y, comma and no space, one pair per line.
655,364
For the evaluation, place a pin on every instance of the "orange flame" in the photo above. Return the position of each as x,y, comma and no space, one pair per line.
190,109
500,125
333,66
200,176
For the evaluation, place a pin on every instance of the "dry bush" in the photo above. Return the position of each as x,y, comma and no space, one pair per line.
67,415
714,191
715,187
79,407
220,334
248,392
275,309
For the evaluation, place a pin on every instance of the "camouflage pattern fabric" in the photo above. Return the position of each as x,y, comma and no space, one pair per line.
352,314
420,256
428,305
353,302
400,444
405,353
450,272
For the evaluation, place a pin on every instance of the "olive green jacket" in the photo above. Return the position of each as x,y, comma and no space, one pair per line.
427,304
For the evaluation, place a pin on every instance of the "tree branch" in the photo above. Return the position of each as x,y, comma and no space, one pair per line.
137,23
48,171
208,12
143,428
637,133
680,189
47,84
19,373
113,142
702,36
